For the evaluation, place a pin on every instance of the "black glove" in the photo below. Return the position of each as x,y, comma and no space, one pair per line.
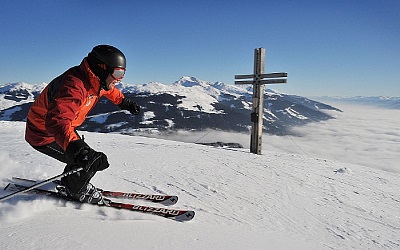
130,105
86,157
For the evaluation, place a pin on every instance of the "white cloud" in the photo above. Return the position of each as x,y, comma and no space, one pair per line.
361,135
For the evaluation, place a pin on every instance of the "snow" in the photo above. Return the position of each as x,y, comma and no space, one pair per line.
102,118
148,115
170,122
294,113
116,125
242,201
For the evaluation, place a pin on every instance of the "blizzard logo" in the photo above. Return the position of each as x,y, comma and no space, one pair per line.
156,210
144,196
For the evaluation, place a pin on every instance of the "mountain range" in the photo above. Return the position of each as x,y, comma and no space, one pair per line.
188,104
377,101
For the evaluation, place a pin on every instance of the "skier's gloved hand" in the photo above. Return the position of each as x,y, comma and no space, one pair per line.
86,157
130,105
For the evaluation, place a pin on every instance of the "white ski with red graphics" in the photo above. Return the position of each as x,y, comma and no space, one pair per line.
180,215
166,200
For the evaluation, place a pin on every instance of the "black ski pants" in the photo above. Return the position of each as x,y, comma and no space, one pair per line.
74,182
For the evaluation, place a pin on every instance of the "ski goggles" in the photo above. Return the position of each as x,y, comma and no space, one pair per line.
118,73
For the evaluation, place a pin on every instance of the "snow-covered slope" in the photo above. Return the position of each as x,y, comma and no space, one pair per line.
242,201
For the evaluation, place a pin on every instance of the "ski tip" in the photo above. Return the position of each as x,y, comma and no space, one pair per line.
8,185
12,187
187,216
22,179
170,201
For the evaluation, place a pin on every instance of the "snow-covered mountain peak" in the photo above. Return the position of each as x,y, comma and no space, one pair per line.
190,81
19,92
15,86
149,88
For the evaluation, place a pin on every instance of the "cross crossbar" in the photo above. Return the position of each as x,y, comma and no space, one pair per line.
262,81
270,75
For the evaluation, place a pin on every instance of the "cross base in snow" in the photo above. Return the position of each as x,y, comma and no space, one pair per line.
258,96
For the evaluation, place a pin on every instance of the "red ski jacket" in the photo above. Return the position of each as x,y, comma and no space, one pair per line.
64,104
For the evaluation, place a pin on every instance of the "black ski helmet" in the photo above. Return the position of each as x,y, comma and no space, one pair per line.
103,59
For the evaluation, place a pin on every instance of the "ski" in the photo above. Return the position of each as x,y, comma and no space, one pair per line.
166,200
180,215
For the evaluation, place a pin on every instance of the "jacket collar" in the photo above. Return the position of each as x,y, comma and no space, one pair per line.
93,79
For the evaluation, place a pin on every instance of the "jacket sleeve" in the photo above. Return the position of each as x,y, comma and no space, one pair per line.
63,110
115,95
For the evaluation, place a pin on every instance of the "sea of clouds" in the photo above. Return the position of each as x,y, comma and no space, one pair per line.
361,134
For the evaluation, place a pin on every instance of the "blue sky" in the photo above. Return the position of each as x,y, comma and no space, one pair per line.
345,48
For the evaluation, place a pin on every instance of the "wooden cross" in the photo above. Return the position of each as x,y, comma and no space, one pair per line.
258,96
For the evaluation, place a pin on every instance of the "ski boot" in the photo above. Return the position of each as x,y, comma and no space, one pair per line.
87,194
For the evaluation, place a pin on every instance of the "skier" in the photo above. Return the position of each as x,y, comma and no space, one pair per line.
63,106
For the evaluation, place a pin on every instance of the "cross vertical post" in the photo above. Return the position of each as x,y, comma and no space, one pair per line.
258,102
257,115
